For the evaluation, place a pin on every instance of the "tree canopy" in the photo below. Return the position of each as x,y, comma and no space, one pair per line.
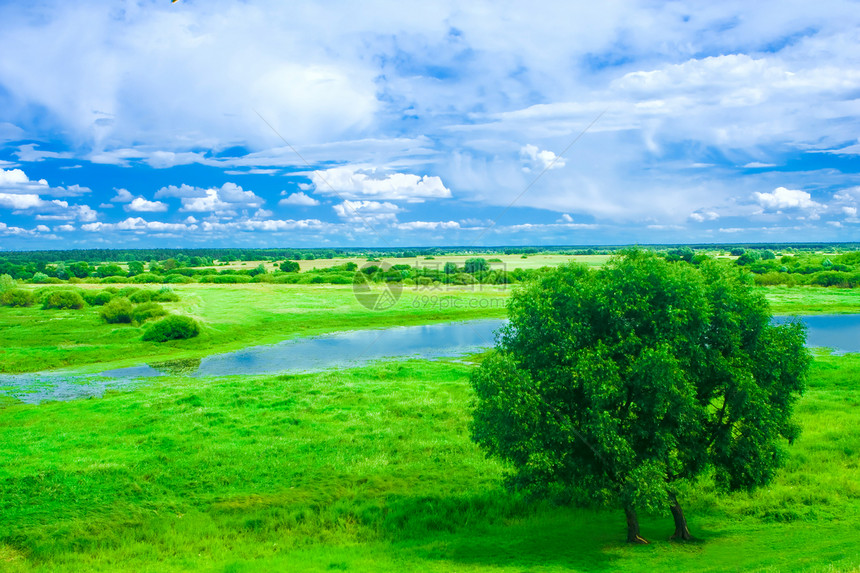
613,385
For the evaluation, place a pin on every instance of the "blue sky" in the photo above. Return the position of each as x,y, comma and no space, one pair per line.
137,124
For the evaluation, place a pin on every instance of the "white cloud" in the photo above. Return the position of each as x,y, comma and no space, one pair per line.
64,228
850,211
16,181
367,211
123,196
702,216
354,183
565,218
20,202
782,198
427,225
7,230
537,160
29,153
141,205
181,191
42,229
758,165
300,199
224,200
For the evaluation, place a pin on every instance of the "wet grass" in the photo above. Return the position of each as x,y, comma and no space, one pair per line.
812,300
231,316
371,469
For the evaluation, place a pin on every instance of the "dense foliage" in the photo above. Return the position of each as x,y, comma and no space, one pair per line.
614,384
172,328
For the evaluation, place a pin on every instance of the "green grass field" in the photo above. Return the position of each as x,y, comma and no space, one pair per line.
371,469
237,316
232,317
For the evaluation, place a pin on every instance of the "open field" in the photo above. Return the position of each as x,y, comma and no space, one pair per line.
372,469
812,300
507,262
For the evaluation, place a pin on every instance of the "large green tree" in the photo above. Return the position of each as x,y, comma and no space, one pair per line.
616,384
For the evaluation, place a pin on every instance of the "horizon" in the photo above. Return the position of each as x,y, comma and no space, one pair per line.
214,125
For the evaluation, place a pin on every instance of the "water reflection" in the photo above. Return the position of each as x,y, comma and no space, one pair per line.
839,332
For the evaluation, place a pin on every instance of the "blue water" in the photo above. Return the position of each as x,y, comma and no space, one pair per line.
841,333
342,350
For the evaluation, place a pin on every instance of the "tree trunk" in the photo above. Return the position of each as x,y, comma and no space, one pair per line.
633,527
681,531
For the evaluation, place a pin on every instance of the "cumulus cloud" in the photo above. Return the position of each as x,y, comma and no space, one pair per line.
54,209
783,199
702,216
7,230
299,199
537,160
427,225
367,211
17,181
123,196
565,218
141,205
226,200
354,183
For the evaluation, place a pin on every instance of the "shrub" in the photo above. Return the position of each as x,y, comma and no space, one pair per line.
165,295
117,311
63,299
146,311
172,328
178,279
7,282
17,297
141,296
147,278
113,280
97,298
40,278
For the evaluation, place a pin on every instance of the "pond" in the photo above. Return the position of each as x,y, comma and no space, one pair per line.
339,350
344,349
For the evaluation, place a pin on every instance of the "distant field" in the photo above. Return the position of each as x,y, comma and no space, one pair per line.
508,262
371,469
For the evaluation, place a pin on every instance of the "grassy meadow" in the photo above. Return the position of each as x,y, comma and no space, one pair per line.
232,317
372,469
366,469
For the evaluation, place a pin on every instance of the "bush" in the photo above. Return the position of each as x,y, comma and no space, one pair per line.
97,298
146,311
147,278
113,280
63,299
117,311
17,297
178,279
141,296
172,328
6,283
165,295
